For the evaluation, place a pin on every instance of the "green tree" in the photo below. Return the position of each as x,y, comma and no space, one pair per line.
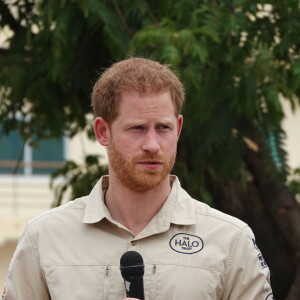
237,59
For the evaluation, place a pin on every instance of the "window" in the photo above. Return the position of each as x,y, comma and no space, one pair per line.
48,157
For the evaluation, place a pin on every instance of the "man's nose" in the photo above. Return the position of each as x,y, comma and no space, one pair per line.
151,143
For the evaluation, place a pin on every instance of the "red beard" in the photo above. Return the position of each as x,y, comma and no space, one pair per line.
133,175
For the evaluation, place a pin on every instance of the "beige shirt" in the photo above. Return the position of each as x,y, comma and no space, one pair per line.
190,251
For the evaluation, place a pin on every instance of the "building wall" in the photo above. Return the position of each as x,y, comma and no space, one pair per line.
22,197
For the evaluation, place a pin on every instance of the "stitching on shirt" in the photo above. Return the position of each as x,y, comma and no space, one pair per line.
189,266
52,211
84,265
36,251
34,245
160,264
236,225
230,260
152,291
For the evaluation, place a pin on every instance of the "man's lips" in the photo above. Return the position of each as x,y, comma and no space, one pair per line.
153,164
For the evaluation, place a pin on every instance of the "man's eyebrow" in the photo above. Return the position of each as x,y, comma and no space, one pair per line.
137,122
165,121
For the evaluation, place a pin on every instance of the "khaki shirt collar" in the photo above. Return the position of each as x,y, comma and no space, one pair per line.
95,209
178,208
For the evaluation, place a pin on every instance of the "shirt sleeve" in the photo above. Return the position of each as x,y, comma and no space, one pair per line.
25,279
249,275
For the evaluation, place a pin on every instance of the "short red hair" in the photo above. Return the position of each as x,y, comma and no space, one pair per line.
142,75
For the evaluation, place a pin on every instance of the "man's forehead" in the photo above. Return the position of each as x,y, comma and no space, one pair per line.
143,92
137,100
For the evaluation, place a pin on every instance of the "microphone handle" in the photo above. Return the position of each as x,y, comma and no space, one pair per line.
134,287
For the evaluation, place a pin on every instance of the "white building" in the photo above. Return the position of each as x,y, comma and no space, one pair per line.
27,194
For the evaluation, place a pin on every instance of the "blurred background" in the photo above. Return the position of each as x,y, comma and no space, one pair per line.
239,150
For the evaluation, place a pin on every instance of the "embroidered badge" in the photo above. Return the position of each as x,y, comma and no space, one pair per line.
186,243
4,293
260,258
270,297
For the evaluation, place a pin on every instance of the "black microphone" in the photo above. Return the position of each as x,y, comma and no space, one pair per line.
132,270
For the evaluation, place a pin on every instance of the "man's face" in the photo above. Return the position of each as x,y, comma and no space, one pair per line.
143,140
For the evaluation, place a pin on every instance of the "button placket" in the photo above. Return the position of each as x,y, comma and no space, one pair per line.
133,245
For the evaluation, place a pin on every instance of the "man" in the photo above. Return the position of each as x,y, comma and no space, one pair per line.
190,250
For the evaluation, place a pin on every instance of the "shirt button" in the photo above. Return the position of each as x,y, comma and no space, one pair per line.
133,243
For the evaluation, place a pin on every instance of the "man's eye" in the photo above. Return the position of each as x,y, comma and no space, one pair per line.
137,127
163,127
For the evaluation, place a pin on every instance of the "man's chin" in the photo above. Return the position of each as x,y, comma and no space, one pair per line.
145,182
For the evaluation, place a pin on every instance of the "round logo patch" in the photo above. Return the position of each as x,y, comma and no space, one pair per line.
270,297
186,243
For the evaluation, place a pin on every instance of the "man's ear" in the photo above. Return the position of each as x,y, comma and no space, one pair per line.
179,125
101,130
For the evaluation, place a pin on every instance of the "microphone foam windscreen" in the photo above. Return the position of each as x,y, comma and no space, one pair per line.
132,264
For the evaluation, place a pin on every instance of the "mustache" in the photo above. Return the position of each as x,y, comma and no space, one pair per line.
149,157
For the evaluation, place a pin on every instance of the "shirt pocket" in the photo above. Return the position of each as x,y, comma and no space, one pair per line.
83,282
179,282
150,282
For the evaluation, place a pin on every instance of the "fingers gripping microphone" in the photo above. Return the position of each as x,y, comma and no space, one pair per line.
132,270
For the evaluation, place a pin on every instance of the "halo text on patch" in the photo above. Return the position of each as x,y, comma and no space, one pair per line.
186,243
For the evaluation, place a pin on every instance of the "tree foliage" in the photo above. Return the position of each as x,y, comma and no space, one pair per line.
238,60
87,174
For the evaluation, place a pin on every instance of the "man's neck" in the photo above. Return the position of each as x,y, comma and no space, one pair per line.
134,209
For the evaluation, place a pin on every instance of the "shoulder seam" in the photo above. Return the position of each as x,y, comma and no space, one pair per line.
241,227
33,244
230,259
49,212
